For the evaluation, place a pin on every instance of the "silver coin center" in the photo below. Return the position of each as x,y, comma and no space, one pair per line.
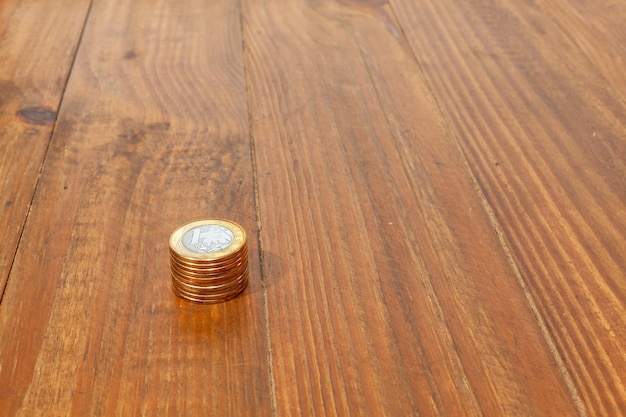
208,238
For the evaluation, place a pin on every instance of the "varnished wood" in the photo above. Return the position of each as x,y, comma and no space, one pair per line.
433,192
597,29
152,133
543,133
388,290
37,45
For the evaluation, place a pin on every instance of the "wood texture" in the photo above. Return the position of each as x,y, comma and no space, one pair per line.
388,290
152,133
37,44
434,193
597,28
543,133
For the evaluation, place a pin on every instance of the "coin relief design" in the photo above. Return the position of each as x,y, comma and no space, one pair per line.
208,238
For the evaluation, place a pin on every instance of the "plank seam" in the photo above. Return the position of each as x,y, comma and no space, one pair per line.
436,297
45,154
257,214
497,229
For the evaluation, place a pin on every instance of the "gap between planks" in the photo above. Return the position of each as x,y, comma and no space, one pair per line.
494,221
257,215
45,154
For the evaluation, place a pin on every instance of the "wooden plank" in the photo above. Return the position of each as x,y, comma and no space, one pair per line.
597,28
37,44
543,133
152,133
388,289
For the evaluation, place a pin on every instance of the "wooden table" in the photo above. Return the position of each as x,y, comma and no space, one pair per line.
434,193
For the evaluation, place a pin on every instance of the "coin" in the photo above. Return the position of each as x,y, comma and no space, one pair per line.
209,260
208,240
206,300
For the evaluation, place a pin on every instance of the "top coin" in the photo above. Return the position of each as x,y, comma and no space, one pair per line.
208,240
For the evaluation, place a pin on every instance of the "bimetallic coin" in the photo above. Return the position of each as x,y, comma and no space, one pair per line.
208,240
209,260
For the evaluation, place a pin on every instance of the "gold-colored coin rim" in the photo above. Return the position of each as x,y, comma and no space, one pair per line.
209,280
213,269
207,301
212,295
238,243
211,298
237,258
210,289
243,251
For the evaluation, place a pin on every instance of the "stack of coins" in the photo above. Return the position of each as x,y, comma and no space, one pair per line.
209,260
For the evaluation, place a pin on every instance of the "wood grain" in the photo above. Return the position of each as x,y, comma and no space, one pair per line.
597,28
37,44
388,291
440,206
152,133
543,131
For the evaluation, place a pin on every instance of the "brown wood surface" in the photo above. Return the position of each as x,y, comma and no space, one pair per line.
389,293
152,133
434,195
543,133
37,45
597,28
